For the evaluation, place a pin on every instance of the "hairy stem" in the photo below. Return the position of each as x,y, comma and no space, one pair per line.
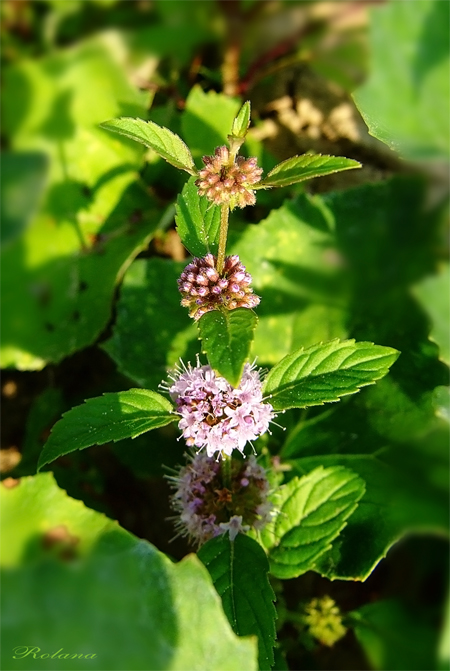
223,233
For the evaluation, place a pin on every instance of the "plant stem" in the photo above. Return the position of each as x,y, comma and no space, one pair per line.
226,471
223,233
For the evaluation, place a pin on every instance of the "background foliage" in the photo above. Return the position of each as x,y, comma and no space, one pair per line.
90,258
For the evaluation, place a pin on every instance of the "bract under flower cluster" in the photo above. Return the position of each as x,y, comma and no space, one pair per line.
225,183
207,507
216,416
203,289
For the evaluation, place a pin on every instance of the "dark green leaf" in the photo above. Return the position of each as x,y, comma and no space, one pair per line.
393,637
242,121
72,579
166,144
152,330
326,372
392,506
226,340
405,100
239,571
299,168
311,513
198,221
110,417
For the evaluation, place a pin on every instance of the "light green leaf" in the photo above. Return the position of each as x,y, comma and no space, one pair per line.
206,120
22,184
326,372
226,340
391,507
405,100
393,637
311,513
242,121
76,582
198,221
299,168
239,571
59,277
166,144
432,293
110,417
152,330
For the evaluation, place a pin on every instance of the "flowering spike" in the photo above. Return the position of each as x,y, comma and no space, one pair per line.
224,181
207,507
203,289
216,416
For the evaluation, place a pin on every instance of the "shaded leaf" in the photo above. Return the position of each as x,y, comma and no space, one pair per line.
166,144
432,293
198,221
299,168
74,579
326,372
110,417
152,330
311,513
239,571
226,340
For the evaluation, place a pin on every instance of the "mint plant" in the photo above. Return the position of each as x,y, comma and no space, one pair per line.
225,405
219,321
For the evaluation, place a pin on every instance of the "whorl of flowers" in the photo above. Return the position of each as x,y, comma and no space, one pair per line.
228,183
215,415
324,620
203,289
206,507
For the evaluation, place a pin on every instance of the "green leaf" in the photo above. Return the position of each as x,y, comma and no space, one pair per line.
311,513
198,221
94,217
22,184
152,330
432,293
206,120
394,637
226,340
242,121
392,507
326,372
97,589
405,100
299,168
166,144
239,571
110,417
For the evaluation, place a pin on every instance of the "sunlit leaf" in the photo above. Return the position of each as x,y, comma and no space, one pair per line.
299,168
198,221
165,143
226,340
326,372
110,417
310,513
242,121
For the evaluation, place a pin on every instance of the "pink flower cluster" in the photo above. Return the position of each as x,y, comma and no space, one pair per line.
203,289
216,416
207,507
225,183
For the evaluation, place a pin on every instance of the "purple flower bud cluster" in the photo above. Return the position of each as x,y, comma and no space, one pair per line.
207,507
215,415
225,183
203,289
